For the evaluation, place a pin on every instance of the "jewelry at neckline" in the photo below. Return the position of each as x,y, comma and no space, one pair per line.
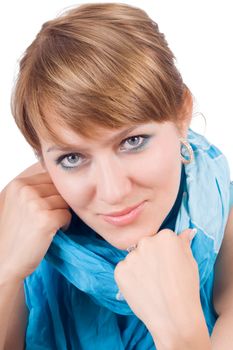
132,247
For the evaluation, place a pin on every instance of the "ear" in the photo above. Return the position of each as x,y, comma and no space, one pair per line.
186,113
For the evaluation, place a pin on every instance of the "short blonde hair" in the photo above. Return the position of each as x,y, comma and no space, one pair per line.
100,64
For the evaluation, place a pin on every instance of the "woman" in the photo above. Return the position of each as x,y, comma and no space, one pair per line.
120,223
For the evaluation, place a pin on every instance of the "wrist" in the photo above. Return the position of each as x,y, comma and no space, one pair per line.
199,341
8,276
192,336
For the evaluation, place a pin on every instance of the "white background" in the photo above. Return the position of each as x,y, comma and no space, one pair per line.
200,33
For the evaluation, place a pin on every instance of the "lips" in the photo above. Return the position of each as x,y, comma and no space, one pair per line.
122,212
125,219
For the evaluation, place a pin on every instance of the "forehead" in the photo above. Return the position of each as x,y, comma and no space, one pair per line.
67,138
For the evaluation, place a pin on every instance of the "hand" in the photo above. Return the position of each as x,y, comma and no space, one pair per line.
31,211
160,282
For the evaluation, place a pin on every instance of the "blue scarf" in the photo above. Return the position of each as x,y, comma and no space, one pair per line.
72,295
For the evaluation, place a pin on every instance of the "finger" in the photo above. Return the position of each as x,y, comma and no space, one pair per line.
61,218
67,225
165,231
53,202
34,179
42,190
34,192
188,235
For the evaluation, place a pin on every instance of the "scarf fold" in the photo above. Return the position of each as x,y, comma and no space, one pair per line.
72,295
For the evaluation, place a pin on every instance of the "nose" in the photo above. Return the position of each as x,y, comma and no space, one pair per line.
112,180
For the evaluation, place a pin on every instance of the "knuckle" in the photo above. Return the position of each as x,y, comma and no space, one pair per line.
166,235
25,191
167,232
15,185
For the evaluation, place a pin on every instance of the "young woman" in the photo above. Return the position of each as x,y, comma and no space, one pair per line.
110,240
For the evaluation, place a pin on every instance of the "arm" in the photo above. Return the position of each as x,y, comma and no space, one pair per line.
13,313
24,219
222,336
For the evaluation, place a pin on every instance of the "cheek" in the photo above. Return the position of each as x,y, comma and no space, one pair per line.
71,189
165,177
169,162
161,167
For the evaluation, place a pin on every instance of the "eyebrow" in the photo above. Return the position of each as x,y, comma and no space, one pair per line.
70,147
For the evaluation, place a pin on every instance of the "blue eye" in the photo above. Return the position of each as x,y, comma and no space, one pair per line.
70,160
135,143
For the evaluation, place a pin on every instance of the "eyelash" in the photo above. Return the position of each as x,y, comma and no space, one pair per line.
145,138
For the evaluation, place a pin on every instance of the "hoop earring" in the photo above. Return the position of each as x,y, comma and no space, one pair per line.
187,152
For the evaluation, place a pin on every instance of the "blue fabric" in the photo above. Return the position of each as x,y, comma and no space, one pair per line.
170,220
72,295
231,195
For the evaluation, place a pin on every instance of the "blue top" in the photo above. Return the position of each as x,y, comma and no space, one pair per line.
231,195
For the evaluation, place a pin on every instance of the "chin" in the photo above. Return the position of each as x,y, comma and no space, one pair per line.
125,242
123,246
129,235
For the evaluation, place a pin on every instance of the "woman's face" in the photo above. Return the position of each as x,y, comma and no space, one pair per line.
103,176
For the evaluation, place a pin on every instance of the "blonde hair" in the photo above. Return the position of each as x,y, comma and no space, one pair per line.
100,64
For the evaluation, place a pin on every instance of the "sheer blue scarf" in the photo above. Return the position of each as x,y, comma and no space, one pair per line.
72,295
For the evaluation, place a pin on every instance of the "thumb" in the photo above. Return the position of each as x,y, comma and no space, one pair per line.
188,234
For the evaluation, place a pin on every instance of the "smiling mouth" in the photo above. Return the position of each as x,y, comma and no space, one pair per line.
126,218
123,212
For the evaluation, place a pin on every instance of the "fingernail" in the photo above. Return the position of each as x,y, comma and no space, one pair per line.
193,233
120,296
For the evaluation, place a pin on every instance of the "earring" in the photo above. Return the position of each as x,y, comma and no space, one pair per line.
187,154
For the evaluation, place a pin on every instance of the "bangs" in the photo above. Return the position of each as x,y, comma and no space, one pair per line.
94,68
